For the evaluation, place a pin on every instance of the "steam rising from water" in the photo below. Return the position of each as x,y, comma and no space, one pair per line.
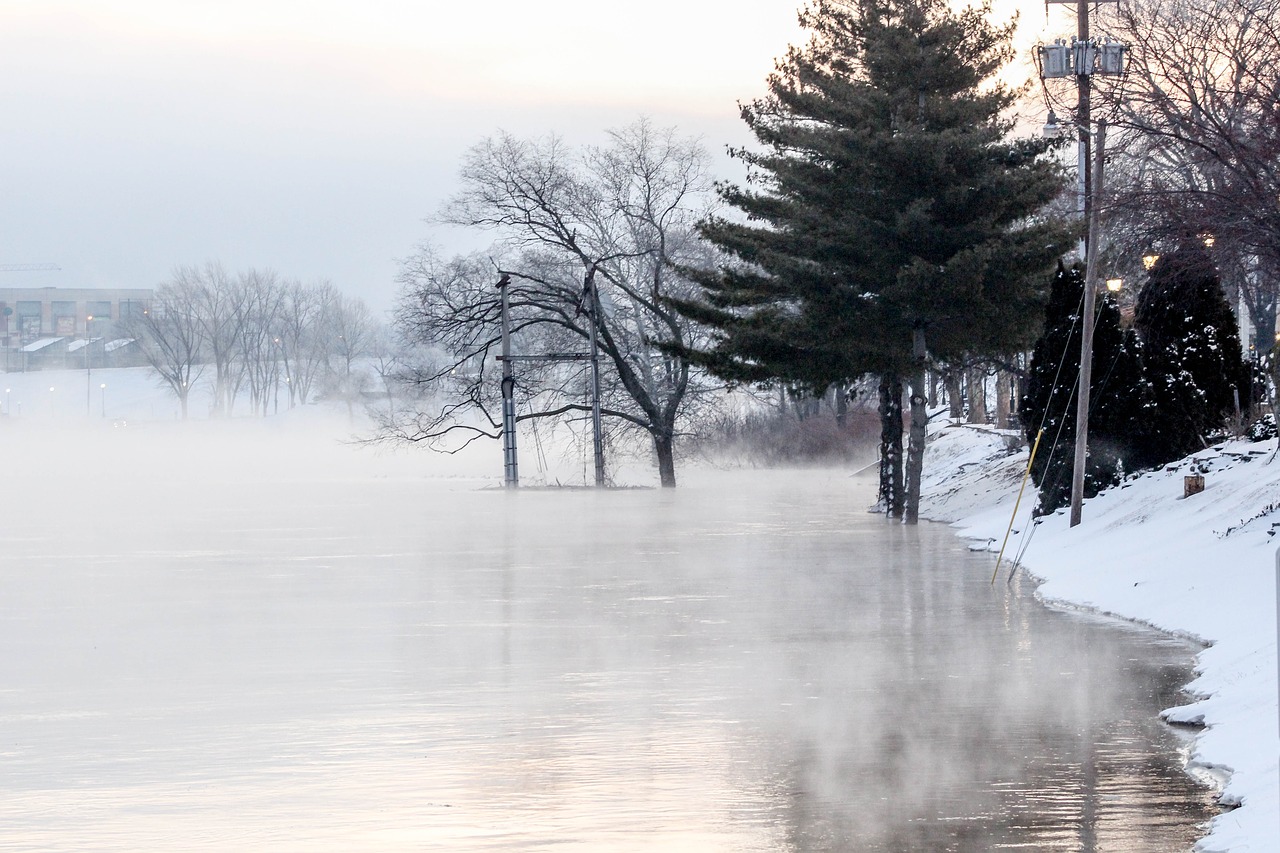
249,635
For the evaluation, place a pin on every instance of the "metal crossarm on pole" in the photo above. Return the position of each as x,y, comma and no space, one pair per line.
551,356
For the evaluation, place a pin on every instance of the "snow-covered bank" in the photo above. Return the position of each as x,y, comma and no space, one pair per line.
1202,567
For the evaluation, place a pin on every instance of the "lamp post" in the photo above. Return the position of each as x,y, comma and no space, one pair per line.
103,387
275,386
88,372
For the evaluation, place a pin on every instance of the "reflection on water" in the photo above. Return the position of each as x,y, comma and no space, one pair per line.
752,663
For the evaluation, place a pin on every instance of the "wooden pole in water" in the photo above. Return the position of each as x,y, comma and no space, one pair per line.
510,468
592,292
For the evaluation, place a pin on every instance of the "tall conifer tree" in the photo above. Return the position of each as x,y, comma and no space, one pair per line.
1120,403
889,215
1191,343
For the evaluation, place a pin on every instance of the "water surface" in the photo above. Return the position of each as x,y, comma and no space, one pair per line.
304,658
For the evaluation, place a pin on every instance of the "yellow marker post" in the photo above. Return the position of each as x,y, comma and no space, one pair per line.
1017,503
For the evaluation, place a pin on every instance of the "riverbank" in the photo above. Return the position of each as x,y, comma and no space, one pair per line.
1201,567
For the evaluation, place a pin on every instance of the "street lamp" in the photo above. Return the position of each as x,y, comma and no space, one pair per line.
103,386
1149,261
1114,284
1052,129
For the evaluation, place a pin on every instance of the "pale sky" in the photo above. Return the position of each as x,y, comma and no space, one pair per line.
314,137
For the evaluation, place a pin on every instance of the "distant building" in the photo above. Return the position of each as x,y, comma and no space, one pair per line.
30,315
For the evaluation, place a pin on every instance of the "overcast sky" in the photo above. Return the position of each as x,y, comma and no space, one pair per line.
314,137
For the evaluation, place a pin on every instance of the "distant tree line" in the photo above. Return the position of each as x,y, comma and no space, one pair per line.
253,333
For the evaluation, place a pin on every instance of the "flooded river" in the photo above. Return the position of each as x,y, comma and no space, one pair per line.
320,660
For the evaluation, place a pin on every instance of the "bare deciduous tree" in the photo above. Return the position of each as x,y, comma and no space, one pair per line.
303,343
257,340
254,331
350,329
619,218
219,306
1200,111
171,337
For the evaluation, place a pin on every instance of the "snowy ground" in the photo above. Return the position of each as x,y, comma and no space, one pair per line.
1202,567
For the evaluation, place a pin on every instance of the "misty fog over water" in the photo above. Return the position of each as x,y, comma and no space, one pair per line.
256,638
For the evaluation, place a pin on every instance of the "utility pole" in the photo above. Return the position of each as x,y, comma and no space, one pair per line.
1081,59
590,306
1083,62
593,315
1086,333
510,468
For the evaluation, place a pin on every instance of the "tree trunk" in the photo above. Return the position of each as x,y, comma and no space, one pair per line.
1273,336
955,397
842,405
919,427
891,445
1004,397
977,395
664,447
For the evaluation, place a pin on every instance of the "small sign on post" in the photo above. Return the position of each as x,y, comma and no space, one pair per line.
1192,484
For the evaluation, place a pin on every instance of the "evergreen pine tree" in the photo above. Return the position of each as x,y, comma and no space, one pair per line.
1120,399
888,213
1191,345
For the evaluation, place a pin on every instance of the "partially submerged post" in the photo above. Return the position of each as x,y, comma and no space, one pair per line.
590,305
510,469
593,315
